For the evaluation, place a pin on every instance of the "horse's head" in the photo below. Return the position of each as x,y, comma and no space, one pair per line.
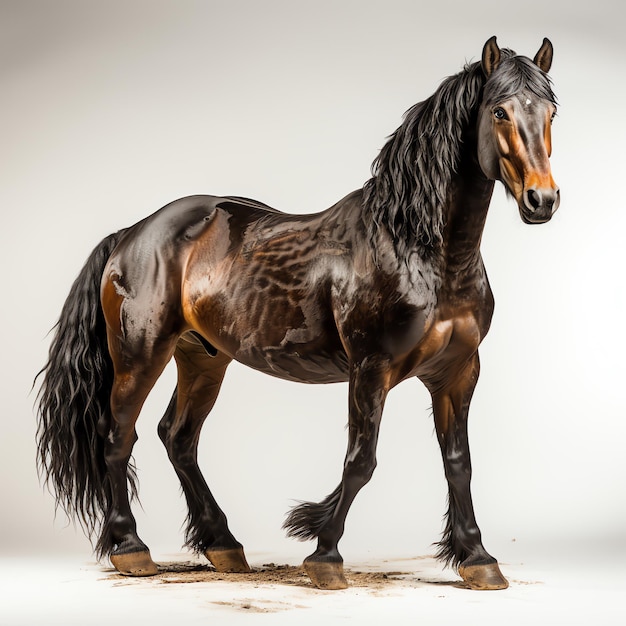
514,128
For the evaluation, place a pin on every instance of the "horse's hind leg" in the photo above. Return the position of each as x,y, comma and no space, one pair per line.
137,364
199,379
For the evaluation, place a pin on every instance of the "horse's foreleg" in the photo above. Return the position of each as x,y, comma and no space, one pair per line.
326,520
199,380
461,545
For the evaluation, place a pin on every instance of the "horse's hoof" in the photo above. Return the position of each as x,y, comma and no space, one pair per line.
326,575
134,563
483,577
228,560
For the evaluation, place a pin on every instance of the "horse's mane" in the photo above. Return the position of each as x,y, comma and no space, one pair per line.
411,176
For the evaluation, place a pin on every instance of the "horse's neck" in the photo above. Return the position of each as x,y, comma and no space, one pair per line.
470,195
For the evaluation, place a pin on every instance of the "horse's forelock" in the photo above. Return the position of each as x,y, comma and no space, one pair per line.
517,74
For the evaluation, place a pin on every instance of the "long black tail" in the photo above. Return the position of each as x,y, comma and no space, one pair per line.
74,396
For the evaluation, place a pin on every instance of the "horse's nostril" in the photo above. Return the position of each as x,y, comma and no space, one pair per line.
541,203
534,199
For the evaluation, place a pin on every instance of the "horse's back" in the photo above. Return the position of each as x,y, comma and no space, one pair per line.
166,237
259,286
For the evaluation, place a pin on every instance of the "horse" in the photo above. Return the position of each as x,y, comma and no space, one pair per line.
385,285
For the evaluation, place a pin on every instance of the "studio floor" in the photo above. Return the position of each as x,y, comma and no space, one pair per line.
68,591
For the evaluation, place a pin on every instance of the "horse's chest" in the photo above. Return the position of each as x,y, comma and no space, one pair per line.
447,342
457,334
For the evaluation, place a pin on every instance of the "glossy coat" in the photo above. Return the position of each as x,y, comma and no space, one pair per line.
385,285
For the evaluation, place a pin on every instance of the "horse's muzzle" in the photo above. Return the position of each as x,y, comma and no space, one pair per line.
540,204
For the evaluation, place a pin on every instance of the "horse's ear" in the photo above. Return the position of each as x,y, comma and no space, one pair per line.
543,58
491,57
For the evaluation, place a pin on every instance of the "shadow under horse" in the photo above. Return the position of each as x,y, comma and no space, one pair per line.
385,285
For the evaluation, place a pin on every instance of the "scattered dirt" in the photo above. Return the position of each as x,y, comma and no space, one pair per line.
259,606
514,581
273,574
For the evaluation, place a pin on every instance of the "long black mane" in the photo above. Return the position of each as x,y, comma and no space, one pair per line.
412,174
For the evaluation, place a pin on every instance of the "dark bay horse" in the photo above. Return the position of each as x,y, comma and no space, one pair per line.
385,285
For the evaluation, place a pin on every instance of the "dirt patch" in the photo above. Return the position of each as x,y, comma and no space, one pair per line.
272,574
277,588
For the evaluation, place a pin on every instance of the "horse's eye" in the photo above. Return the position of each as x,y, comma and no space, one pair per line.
499,113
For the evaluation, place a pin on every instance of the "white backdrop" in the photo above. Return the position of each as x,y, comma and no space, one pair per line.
111,110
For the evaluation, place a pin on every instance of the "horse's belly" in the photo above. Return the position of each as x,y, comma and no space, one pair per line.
290,364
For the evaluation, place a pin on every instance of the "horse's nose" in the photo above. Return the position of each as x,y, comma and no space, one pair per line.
542,202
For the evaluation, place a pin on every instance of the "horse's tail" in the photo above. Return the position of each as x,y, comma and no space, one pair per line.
74,398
